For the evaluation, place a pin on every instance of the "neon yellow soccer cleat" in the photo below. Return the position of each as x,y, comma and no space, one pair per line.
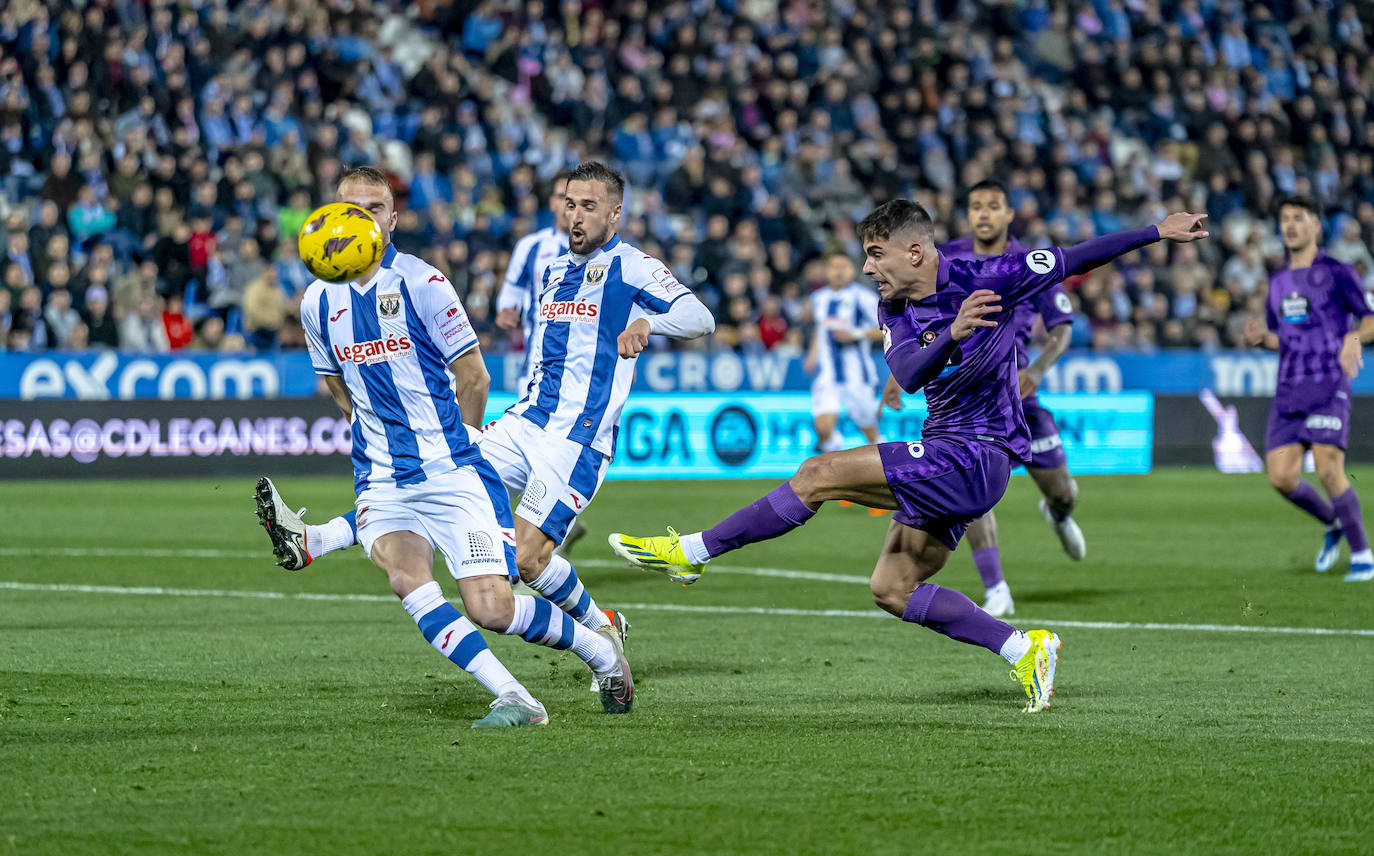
660,553
1035,670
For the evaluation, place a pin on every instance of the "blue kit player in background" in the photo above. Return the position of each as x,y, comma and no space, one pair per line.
518,303
402,362
1309,314
990,216
938,318
845,318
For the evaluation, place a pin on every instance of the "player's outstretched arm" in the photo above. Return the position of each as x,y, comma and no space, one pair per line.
1182,228
686,318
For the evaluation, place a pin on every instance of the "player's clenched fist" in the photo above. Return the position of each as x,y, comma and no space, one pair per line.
973,313
634,339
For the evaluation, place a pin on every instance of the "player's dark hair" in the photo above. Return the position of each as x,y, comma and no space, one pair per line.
597,171
893,217
561,175
1304,202
991,184
366,175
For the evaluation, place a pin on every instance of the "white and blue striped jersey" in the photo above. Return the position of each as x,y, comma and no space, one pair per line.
580,383
531,257
391,341
853,309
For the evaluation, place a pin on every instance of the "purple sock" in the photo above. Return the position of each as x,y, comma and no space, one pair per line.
949,612
1347,507
1305,496
988,561
779,512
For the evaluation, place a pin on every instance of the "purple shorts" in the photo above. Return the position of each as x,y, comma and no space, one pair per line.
1308,414
944,485
1047,450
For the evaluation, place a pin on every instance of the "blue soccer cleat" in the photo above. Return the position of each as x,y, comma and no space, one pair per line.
1331,548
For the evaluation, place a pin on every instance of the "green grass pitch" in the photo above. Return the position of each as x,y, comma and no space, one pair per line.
212,722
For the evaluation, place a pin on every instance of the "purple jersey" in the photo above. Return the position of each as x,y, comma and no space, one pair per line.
1053,306
975,396
1311,308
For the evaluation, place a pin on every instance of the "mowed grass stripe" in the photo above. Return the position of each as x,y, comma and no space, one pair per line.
160,591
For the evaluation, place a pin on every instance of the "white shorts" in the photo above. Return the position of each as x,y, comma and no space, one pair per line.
860,401
464,514
557,476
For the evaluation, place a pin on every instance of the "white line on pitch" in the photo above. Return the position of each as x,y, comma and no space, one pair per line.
264,554
671,607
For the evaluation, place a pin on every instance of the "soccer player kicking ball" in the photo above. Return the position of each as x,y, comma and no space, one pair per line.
941,334
990,214
393,347
1308,314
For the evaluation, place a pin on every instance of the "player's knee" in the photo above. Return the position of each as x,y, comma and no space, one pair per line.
1065,494
530,563
1283,482
811,478
890,596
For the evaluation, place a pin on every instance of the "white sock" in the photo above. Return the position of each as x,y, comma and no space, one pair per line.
596,651
1365,556
694,548
328,537
1015,647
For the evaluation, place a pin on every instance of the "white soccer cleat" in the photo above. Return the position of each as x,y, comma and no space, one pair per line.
999,603
1331,548
1070,536
284,526
1361,571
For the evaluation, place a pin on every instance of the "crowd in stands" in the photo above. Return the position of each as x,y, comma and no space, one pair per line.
158,158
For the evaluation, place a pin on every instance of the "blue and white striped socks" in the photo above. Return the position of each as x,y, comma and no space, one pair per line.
536,620
559,583
458,639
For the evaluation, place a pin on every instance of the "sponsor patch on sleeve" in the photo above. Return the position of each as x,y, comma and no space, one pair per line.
452,324
666,280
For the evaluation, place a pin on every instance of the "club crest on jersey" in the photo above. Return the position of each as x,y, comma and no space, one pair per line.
389,305
927,337
596,273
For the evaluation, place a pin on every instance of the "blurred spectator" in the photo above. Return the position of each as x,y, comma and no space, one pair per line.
142,331
264,310
102,328
61,318
174,324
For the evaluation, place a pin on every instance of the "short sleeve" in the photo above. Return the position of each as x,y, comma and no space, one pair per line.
1352,292
1017,277
1054,306
654,287
445,321
314,319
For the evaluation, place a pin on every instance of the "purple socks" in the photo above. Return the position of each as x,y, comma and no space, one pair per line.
949,612
1347,510
988,560
1305,496
779,512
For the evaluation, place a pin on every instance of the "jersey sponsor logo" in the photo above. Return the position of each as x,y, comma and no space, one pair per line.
1296,308
596,273
887,338
451,323
1320,422
569,310
579,501
337,315
1062,303
1040,261
916,450
535,492
393,347
437,278
481,549
389,305
665,278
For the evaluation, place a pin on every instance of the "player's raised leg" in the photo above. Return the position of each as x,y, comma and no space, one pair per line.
909,558
1284,466
987,558
1345,504
296,543
1059,496
407,558
854,474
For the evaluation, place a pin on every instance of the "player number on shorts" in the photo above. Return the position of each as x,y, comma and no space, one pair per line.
916,450
1040,261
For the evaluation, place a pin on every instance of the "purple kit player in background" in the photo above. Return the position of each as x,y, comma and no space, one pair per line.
1308,313
990,216
937,317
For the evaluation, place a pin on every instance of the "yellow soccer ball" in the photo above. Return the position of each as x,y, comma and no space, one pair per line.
340,242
